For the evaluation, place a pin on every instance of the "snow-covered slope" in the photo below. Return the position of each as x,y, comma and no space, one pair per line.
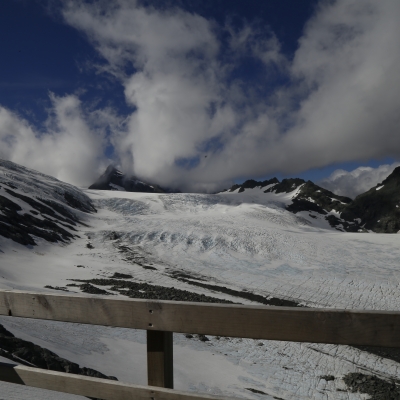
376,210
36,207
243,247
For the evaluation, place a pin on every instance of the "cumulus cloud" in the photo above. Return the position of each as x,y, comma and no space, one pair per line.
361,179
70,147
197,122
184,107
196,126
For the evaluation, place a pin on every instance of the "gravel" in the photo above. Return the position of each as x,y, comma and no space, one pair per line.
377,388
144,291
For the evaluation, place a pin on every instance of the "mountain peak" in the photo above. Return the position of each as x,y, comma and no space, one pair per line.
379,208
376,210
251,184
394,176
113,179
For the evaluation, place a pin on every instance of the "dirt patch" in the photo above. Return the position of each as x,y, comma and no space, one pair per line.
88,288
133,256
186,275
118,275
64,289
255,391
377,388
146,291
392,353
273,301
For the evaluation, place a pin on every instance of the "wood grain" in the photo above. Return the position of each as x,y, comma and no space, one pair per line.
351,327
93,387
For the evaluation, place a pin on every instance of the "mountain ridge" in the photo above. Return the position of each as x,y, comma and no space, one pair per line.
34,206
376,210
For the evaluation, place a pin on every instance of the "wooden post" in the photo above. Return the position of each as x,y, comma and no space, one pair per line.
160,365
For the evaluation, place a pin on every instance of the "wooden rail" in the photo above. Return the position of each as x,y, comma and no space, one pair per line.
161,318
93,387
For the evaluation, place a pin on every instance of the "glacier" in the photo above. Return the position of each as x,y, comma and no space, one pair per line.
242,241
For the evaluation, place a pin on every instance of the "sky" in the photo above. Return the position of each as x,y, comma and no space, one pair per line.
197,95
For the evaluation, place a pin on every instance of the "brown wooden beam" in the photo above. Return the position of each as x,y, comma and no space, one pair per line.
351,327
160,367
92,387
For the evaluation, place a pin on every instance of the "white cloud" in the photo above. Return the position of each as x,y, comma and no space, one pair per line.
348,57
258,42
69,149
179,87
190,106
358,181
345,72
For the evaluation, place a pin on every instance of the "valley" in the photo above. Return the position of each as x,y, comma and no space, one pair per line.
240,246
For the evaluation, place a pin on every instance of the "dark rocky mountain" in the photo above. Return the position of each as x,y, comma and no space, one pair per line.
113,179
251,184
313,198
35,206
286,186
376,210
310,197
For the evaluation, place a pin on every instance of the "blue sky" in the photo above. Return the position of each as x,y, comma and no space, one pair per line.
200,94
40,54
44,54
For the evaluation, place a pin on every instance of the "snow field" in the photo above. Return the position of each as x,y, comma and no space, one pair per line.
246,241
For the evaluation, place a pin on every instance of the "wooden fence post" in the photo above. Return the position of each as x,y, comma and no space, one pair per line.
160,365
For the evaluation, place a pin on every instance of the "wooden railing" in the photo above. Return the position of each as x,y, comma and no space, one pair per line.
161,318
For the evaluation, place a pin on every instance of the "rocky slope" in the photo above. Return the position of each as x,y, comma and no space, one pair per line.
251,184
376,210
35,206
113,179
